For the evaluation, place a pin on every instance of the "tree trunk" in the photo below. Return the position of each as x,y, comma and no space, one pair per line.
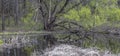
24,7
50,39
16,11
3,16
3,22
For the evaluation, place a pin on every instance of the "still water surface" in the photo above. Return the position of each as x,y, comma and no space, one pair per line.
37,45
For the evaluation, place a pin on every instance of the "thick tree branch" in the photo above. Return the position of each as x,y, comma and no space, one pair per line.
46,6
62,22
62,27
55,9
42,12
53,18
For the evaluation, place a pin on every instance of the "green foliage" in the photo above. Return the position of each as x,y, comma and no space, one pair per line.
92,3
84,12
28,50
87,43
85,17
103,3
28,21
72,14
114,14
1,42
114,45
96,13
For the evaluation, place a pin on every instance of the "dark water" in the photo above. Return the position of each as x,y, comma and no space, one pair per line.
35,45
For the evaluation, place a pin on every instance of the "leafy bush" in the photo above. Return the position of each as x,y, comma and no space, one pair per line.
85,17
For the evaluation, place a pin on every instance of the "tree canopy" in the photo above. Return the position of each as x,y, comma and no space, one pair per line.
54,14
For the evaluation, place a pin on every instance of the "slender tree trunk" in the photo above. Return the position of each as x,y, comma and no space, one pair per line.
3,22
3,16
16,11
50,39
24,7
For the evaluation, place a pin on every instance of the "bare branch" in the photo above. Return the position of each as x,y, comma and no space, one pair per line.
55,9
62,22
64,6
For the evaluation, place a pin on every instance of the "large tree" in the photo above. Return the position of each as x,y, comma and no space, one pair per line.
51,10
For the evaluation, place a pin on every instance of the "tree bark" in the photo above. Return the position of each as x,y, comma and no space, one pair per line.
16,11
3,16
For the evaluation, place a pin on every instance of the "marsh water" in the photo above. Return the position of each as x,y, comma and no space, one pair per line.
66,45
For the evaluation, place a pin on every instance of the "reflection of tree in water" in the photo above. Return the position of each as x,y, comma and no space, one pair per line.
40,42
50,39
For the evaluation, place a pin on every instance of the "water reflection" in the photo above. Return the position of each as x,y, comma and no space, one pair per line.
34,45
21,45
